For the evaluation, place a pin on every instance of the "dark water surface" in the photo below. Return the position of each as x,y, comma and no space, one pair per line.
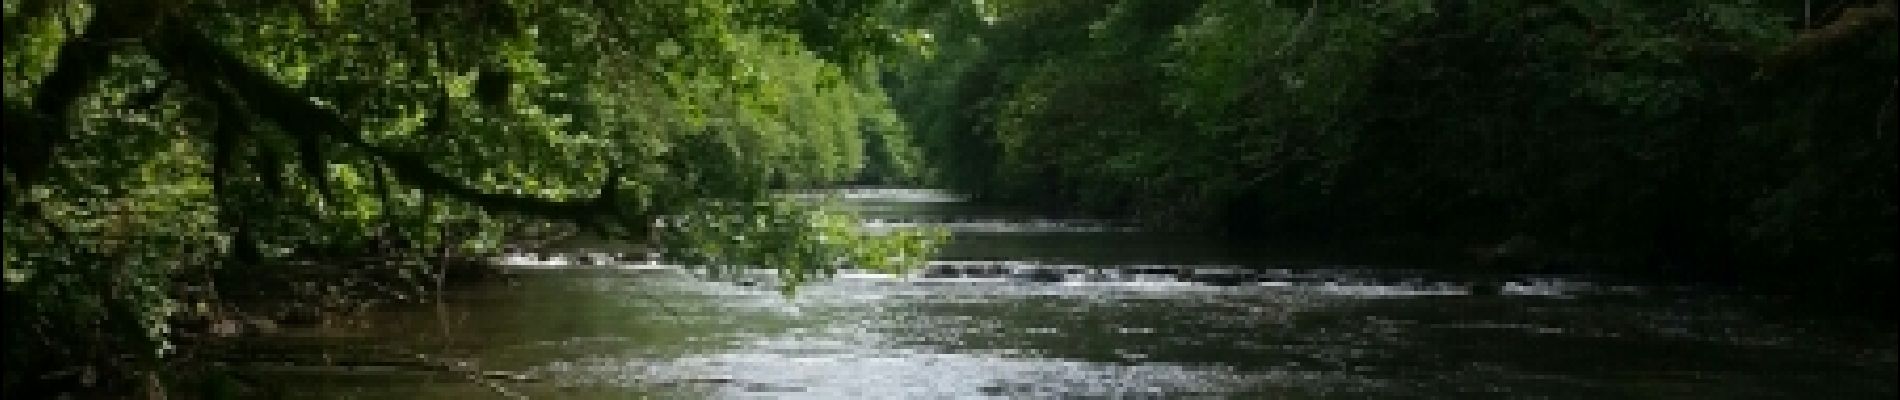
1026,306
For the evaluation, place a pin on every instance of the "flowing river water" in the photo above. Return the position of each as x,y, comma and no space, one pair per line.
1018,306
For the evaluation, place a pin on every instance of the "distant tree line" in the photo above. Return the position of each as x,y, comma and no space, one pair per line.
1722,139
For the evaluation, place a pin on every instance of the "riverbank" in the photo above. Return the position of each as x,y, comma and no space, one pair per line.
209,305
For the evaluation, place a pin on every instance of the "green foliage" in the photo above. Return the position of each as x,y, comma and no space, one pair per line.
797,239
147,142
1668,133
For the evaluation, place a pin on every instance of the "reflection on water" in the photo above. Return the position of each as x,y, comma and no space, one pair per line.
1028,312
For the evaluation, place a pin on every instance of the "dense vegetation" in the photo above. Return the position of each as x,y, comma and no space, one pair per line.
1724,139
161,156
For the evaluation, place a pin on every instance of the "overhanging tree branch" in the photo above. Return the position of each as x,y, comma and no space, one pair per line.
208,66
35,135
1852,23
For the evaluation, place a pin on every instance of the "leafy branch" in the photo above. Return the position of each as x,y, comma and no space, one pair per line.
214,71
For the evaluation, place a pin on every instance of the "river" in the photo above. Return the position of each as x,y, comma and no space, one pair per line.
1019,305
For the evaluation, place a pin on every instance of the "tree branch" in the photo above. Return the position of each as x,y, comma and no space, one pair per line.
27,144
35,134
1852,23
208,66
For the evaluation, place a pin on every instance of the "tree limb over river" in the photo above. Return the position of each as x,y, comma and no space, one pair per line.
165,158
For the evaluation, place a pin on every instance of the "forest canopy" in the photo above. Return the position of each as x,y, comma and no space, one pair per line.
153,148
1722,139
149,142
